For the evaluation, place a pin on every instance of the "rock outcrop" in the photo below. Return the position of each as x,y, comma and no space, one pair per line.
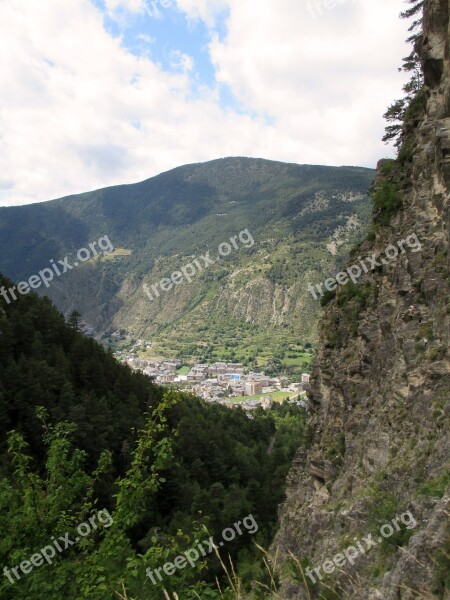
379,442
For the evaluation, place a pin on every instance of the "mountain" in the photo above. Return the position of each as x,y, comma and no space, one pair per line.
252,304
367,509
366,512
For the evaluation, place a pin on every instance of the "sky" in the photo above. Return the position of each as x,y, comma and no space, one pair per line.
103,92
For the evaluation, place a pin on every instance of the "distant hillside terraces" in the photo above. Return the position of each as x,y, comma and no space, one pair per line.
250,303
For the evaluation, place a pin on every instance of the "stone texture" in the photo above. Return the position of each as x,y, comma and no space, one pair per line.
380,393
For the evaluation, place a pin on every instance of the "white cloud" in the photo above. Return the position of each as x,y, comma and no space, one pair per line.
327,80
128,5
78,111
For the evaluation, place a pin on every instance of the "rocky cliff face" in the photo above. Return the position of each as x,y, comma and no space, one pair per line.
380,395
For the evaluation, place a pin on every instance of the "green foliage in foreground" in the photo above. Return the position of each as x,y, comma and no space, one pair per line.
81,433
38,505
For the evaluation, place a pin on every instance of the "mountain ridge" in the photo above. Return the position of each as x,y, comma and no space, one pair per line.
291,211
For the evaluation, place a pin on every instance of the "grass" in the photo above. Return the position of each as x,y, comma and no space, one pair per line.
117,252
436,487
253,345
276,396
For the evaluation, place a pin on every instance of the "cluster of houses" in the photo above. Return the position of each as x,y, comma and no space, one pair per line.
221,382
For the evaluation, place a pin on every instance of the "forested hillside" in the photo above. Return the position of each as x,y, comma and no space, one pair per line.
84,437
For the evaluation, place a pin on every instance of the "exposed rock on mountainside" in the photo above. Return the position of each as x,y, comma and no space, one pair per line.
380,396
256,297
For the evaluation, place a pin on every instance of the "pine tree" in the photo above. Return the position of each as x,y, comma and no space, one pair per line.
395,115
74,320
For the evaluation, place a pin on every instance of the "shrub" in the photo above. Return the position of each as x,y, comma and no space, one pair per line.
436,487
359,293
327,297
387,201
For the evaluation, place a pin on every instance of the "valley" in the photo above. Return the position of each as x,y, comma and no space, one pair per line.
229,384
241,390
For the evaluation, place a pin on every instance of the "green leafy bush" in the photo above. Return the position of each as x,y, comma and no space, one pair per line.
387,201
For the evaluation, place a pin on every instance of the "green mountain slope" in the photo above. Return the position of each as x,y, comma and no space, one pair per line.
255,298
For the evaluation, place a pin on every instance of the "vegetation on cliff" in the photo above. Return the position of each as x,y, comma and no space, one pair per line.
378,438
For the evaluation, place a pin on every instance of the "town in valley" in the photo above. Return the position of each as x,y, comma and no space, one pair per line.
229,384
